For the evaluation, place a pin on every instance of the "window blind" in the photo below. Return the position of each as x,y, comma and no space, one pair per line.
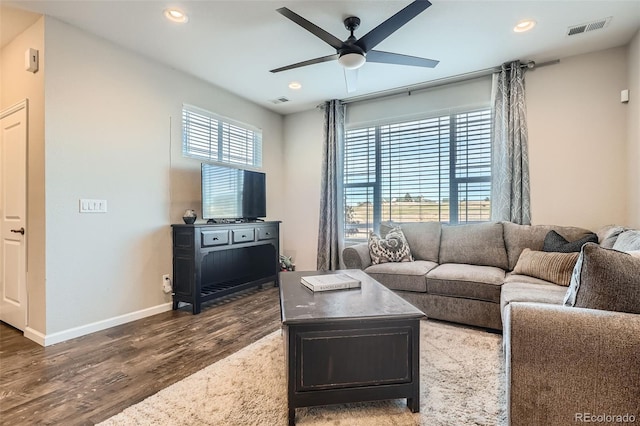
433,169
210,137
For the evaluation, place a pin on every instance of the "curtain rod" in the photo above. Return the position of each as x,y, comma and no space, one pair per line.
441,82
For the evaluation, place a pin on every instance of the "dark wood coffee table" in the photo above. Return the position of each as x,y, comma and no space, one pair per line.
349,345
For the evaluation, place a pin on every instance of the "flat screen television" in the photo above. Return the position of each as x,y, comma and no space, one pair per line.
232,194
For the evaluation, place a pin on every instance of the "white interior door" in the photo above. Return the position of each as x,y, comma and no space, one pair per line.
13,208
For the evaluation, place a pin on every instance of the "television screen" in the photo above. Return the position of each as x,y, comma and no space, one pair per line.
230,193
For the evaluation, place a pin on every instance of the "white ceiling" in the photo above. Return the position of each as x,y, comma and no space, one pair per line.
234,44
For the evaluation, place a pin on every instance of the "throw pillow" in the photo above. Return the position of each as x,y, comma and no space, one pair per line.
556,242
627,241
605,279
392,248
608,235
549,266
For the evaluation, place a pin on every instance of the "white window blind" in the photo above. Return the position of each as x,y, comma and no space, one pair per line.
435,169
210,137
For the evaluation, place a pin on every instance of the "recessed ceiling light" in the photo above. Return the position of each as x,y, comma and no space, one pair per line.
524,25
176,15
295,85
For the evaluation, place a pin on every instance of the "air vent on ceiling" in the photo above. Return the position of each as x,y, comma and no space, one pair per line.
279,100
590,26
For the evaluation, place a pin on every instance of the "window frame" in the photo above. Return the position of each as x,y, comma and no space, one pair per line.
221,141
374,185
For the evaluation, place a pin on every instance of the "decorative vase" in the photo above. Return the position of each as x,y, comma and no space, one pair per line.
189,216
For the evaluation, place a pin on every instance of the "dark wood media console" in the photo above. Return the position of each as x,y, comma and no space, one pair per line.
214,260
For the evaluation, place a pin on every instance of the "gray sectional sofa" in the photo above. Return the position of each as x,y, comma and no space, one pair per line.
563,365
464,273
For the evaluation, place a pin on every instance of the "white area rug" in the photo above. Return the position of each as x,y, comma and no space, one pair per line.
461,384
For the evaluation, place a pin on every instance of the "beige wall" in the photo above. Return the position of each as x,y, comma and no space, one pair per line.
578,140
113,132
303,135
17,84
633,117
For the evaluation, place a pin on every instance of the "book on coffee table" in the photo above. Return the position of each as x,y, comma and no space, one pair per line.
329,282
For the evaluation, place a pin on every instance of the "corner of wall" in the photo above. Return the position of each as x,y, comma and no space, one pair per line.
633,133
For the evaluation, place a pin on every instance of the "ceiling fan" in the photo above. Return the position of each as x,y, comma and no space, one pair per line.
353,52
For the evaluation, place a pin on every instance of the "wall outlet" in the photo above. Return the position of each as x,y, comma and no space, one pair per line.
166,283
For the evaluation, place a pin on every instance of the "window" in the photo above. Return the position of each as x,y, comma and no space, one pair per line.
209,137
435,169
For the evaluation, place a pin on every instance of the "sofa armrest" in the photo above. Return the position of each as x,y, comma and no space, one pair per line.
564,365
356,256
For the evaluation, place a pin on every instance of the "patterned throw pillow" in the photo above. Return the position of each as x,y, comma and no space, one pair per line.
549,266
392,248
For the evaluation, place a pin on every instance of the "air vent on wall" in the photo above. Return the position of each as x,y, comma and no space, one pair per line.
279,100
590,26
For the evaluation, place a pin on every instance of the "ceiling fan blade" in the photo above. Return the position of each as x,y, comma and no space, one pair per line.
351,79
309,62
388,27
328,38
398,59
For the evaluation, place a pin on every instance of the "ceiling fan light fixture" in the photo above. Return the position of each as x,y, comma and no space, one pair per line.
176,15
352,61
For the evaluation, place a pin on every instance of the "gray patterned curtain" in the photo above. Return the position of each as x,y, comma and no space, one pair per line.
330,228
510,199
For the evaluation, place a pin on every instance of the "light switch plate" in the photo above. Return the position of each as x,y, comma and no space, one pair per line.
93,206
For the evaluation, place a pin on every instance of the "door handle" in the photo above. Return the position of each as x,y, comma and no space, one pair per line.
18,231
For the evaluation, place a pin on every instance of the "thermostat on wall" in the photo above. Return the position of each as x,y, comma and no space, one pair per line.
31,60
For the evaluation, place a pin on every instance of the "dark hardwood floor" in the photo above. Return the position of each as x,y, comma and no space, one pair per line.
89,379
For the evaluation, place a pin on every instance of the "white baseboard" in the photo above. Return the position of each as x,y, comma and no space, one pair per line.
72,333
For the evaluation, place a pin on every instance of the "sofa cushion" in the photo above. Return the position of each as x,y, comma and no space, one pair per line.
518,237
516,289
392,248
554,267
628,241
424,239
554,242
408,276
476,244
605,279
512,277
466,281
